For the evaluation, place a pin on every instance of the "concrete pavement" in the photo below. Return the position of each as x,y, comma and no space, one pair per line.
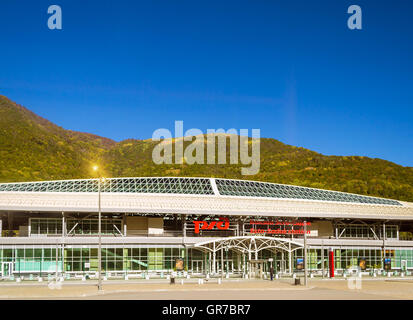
317,289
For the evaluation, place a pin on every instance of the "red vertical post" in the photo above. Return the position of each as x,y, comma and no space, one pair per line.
331,262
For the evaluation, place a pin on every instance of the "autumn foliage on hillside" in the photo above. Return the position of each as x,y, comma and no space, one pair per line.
32,148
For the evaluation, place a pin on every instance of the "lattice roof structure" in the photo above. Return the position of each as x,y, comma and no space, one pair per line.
194,186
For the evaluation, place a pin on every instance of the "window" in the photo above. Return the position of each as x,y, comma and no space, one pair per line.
366,231
91,226
46,226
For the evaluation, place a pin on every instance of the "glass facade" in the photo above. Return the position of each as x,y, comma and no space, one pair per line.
91,226
31,259
367,231
83,259
45,226
41,260
53,227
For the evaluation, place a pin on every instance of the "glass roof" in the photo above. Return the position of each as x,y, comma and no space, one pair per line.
197,186
129,185
272,190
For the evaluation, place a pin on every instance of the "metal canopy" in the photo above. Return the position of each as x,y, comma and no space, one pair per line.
249,244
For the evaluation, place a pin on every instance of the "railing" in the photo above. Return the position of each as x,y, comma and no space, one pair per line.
211,233
405,236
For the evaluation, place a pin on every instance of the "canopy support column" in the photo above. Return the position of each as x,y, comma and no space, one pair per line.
213,260
290,267
222,263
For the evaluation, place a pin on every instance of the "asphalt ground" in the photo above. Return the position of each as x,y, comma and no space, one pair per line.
317,289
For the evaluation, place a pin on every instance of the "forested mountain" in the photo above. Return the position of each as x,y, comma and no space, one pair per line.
33,148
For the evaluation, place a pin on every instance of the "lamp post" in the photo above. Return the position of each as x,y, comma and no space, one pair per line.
305,253
96,168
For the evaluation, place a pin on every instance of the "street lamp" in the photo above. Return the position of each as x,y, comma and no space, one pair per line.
96,169
305,253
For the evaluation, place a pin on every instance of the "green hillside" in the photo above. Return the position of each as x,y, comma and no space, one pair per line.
32,148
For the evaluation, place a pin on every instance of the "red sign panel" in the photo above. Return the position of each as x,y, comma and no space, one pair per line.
278,227
331,262
223,224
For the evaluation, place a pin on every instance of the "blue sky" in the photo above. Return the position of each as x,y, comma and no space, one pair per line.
122,69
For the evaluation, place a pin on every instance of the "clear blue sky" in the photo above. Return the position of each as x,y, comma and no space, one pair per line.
122,69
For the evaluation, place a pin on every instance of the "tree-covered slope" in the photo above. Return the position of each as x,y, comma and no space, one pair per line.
280,163
32,148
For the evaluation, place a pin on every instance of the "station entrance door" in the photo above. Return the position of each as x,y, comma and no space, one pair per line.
197,266
257,268
6,269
